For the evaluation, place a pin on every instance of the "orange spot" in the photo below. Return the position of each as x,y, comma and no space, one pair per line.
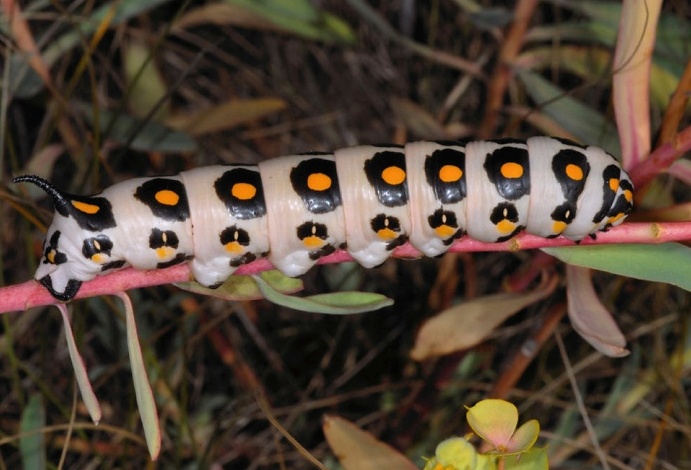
511,170
450,173
613,219
393,175
386,234
558,227
313,242
574,172
167,197
97,258
444,231
614,184
505,227
628,195
50,256
318,182
85,207
233,247
243,191
164,252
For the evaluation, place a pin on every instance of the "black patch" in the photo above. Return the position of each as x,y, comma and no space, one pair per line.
309,229
441,217
239,261
323,251
611,171
446,192
58,257
509,188
506,211
234,234
621,205
71,289
179,258
571,189
95,245
100,220
565,212
321,231
243,209
146,193
383,221
159,238
390,195
316,201
113,265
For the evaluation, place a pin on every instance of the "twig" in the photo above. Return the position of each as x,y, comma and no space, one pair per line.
20,297
511,46
579,402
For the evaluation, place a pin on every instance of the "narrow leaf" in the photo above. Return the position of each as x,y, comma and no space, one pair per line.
85,388
534,459
124,10
226,115
589,317
146,87
244,287
300,17
359,450
631,82
142,387
584,123
138,134
467,324
32,444
667,262
339,303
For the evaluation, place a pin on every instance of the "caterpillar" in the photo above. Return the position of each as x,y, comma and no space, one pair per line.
365,199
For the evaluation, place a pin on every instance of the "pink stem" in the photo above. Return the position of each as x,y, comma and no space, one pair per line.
31,294
661,158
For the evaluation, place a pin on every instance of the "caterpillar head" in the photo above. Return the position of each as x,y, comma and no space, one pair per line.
76,248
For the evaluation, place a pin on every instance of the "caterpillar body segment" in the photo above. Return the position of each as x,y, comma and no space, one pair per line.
230,221
304,209
375,201
299,208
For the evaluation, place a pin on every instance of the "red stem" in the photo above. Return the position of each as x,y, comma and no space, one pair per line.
31,294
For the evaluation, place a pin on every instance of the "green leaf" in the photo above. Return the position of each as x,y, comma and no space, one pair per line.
146,88
224,116
124,10
300,17
584,123
32,443
668,262
140,135
142,387
20,79
534,459
245,288
338,303
80,373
